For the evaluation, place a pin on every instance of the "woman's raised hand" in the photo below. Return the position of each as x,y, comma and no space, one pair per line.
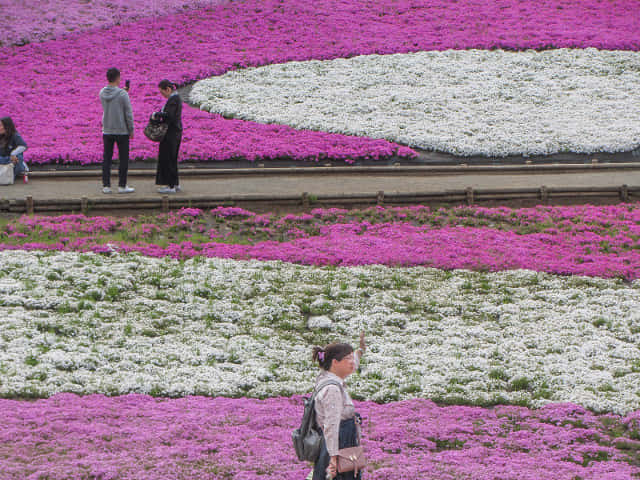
363,345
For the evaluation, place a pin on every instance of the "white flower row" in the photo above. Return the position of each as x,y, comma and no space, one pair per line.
470,102
128,323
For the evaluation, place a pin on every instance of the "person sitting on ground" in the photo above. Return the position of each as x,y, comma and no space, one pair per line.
12,147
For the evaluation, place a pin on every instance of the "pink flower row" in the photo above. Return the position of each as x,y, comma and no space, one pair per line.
53,87
404,245
585,240
67,437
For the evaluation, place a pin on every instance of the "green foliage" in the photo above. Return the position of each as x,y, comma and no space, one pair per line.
520,384
31,360
498,374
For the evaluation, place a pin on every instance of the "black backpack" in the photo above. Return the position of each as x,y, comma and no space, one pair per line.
307,440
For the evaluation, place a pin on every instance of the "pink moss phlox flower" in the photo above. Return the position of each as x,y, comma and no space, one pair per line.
601,241
144,438
200,43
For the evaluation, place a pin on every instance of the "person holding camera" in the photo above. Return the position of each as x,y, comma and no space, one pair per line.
12,147
117,128
171,114
335,413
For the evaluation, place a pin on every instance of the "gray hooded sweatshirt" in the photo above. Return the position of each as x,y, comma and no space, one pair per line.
118,116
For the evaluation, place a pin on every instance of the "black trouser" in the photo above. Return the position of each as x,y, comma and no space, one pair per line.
347,437
167,171
123,155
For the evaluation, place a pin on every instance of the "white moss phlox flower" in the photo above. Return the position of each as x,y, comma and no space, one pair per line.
87,323
469,102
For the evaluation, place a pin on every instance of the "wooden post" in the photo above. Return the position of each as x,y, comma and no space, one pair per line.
29,204
469,192
624,193
544,194
380,197
165,203
305,200
84,205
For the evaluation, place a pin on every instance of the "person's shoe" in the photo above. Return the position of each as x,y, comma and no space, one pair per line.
126,189
107,190
178,188
167,190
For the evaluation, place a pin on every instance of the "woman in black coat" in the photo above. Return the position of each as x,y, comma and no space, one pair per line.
167,173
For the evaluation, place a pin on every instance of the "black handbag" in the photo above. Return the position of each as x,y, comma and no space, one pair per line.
156,130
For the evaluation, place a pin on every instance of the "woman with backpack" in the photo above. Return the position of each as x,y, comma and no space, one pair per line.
335,413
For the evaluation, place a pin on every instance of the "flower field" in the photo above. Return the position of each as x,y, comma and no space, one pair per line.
144,438
93,324
198,43
579,240
178,345
502,343
471,102
46,19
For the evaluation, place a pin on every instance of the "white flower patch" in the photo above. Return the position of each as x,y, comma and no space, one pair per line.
469,102
127,323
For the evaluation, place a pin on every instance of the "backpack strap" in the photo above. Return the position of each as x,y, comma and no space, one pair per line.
324,384
320,387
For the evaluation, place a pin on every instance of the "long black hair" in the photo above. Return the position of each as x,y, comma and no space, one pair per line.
9,130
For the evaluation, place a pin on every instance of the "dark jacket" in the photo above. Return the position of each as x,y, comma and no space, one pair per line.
172,113
169,148
14,142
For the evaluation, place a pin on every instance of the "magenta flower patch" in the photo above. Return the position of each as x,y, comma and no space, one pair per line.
145,438
44,19
53,86
601,241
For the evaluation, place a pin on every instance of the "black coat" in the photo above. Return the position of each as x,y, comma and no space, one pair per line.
167,173
172,112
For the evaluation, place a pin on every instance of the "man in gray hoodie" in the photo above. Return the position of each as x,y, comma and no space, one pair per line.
117,128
